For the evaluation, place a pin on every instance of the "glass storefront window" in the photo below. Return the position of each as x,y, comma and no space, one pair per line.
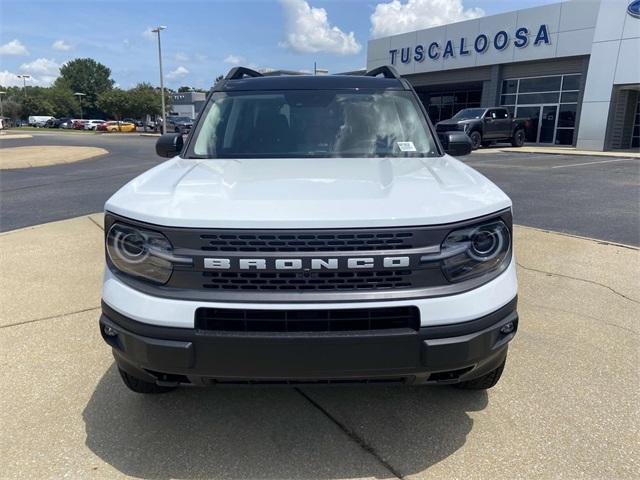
532,98
540,84
548,106
442,106
474,96
567,116
509,86
508,100
571,82
568,97
564,136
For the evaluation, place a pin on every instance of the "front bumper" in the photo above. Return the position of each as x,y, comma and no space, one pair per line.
433,354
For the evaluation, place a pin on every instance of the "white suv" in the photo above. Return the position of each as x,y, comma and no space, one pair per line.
310,230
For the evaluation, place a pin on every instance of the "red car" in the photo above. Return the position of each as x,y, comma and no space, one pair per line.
79,124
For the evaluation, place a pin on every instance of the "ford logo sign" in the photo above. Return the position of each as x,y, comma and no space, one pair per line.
634,9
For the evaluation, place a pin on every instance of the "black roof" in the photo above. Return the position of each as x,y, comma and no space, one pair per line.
241,79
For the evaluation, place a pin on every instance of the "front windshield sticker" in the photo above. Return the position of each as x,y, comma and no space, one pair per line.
406,146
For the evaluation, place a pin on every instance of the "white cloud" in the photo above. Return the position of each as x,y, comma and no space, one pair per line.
14,47
399,17
61,45
42,66
177,73
182,57
200,57
10,79
308,31
233,60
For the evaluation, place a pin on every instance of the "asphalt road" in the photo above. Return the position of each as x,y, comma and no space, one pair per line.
589,196
32,196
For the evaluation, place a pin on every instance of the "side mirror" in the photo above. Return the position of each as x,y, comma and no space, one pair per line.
169,145
456,144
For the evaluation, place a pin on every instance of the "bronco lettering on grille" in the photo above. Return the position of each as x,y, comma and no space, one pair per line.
354,263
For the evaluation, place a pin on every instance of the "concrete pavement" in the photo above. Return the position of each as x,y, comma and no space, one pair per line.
43,156
566,406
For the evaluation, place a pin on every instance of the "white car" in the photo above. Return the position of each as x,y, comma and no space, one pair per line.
39,120
92,124
310,230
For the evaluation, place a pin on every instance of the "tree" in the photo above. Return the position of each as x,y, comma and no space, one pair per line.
63,101
11,108
116,103
36,105
184,89
147,101
87,76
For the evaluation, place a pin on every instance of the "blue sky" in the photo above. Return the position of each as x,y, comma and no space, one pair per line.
205,38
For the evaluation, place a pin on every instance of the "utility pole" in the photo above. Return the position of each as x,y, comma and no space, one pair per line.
24,83
79,95
157,30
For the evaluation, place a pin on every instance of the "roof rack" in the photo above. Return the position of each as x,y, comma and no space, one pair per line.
237,73
386,70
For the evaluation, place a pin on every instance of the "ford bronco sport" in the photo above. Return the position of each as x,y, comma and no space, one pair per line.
310,230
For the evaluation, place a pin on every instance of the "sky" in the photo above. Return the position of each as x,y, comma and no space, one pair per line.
204,39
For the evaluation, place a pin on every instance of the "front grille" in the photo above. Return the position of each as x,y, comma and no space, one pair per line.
307,242
449,128
360,319
308,281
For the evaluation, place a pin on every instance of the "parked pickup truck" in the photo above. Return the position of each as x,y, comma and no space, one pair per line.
310,230
486,125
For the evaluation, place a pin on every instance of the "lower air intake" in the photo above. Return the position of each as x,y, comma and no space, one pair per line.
359,319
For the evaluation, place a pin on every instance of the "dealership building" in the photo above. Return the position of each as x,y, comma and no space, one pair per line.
572,68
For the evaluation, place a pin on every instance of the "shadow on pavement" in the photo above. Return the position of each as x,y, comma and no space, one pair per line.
274,432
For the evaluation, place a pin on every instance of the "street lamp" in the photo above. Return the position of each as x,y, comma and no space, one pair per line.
79,96
24,82
157,30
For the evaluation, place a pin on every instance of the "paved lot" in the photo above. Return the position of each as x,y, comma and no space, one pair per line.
590,196
37,195
582,195
566,407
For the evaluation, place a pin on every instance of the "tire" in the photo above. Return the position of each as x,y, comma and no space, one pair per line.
140,386
476,140
483,383
518,138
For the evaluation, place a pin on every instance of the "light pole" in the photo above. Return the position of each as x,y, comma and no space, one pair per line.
79,95
24,82
157,30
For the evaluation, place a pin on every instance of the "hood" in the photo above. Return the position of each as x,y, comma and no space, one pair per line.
453,123
308,193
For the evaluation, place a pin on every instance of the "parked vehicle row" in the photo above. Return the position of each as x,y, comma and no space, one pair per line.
175,124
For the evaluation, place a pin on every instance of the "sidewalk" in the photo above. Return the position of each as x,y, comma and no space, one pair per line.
562,151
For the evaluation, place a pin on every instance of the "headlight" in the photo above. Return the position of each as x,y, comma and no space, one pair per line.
142,253
474,251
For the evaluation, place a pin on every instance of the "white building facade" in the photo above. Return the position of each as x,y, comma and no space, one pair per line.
572,68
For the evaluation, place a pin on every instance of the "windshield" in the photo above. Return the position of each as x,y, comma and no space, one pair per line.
312,123
469,114
179,119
